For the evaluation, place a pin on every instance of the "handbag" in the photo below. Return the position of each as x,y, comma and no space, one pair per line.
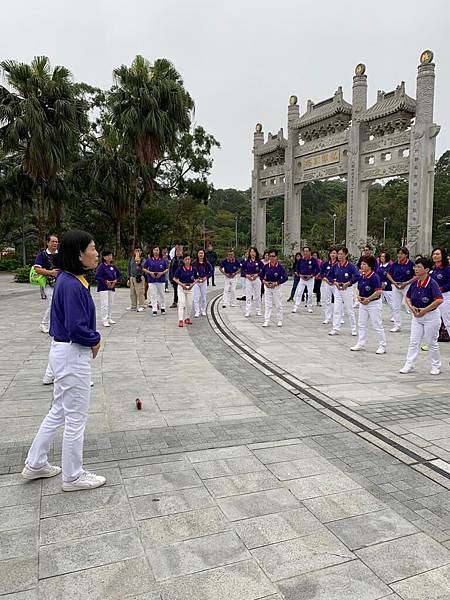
36,279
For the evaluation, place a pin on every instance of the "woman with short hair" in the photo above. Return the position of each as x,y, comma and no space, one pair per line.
401,275
251,267
204,271
382,270
156,268
75,344
441,274
344,275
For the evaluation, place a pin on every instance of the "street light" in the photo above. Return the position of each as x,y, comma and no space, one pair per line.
334,227
236,231
384,229
282,237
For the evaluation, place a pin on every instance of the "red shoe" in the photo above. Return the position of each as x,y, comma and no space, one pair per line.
180,324
188,321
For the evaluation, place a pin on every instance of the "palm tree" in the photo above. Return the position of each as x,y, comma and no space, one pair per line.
150,107
41,119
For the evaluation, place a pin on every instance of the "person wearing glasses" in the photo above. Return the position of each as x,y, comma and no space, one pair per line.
273,275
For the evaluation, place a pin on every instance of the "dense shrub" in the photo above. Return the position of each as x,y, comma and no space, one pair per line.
22,274
10,263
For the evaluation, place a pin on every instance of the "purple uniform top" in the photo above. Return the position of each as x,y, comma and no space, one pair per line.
275,274
423,294
382,272
155,266
307,267
325,270
186,275
106,273
345,273
369,284
402,272
72,316
251,267
442,277
203,269
230,267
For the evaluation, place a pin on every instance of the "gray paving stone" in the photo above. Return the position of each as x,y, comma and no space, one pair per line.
76,502
167,503
95,551
241,581
308,553
230,466
371,528
99,583
13,495
305,467
349,581
84,524
404,557
321,485
257,504
22,515
162,531
19,543
27,595
18,574
282,453
199,554
218,453
153,469
241,484
161,482
433,585
343,505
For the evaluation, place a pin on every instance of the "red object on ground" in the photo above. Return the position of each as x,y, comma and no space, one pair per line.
138,404
180,324
188,321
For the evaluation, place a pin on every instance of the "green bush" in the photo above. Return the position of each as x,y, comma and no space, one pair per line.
22,274
10,264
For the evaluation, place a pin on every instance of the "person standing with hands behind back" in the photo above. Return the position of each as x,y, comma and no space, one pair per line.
75,344
273,275
185,277
107,276
230,267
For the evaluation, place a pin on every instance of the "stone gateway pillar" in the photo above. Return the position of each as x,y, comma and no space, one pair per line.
422,159
258,205
292,192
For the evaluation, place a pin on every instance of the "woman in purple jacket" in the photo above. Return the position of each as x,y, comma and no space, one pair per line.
107,277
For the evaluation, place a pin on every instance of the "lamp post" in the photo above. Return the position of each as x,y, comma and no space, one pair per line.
282,237
384,229
235,232
334,227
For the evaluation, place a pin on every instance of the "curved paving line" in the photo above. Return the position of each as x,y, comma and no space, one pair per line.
419,459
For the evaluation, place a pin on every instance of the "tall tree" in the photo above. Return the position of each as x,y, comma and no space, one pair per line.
41,118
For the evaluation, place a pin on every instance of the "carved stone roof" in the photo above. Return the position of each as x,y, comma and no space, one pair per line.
274,143
325,109
390,103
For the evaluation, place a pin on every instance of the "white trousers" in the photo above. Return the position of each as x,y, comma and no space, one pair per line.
425,330
253,289
327,296
156,291
185,298
229,290
373,312
200,297
273,297
303,284
387,297
46,318
343,300
444,309
71,367
106,302
398,297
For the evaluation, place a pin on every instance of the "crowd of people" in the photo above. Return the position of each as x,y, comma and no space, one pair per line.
423,286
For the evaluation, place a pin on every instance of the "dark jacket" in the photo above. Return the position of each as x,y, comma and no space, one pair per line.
175,264
211,257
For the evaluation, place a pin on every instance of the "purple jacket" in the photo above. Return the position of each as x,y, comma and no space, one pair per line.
274,274
106,273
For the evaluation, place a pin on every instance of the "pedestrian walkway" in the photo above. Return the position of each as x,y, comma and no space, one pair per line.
233,482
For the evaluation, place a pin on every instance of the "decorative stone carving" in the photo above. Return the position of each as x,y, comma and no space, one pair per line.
325,143
386,170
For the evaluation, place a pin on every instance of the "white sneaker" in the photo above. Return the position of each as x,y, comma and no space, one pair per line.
294,310
381,350
354,332
435,371
203,313
310,310
141,309
265,324
130,308
406,369
342,322
92,384
154,313
196,316
44,328
395,329
325,322
105,323
392,320
111,322
357,348
258,313
233,305
86,481
46,471
280,324
333,332
46,380
247,314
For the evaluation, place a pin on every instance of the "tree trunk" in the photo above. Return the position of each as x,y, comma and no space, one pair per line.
40,221
118,241
24,251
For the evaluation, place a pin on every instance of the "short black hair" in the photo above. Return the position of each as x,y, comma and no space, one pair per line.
106,252
306,248
368,247
343,249
403,249
273,251
426,262
49,236
387,256
68,256
371,261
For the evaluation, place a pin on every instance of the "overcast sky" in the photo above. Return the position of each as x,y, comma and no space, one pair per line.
241,60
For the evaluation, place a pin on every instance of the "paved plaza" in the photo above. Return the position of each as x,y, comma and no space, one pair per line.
266,463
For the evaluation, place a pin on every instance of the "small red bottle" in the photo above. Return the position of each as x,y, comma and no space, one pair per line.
138,404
